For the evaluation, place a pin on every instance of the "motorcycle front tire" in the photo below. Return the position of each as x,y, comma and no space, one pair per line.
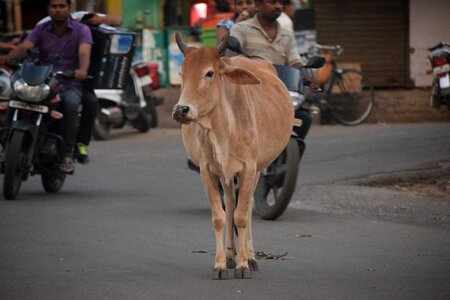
277,184
16,157
53,181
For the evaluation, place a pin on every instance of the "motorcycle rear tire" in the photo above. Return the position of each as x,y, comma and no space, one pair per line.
276,187
53,181
16,156
150,109
101,130
142,123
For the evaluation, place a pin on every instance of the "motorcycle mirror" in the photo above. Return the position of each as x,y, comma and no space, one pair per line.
315,62
234,45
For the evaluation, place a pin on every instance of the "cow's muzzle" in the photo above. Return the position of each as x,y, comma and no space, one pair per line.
180,113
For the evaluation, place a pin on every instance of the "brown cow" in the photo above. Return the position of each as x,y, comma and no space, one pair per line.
237,117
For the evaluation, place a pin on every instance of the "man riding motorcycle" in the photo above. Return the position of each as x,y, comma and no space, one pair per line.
71,41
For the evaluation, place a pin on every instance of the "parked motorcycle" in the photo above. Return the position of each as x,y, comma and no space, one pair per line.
439,56
32,142
135,104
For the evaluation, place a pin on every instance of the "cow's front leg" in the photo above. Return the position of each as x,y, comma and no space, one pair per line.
211,185
230,206
241,219
253,265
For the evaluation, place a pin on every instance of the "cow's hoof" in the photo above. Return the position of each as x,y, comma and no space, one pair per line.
253,265
219,274
231,264
242,273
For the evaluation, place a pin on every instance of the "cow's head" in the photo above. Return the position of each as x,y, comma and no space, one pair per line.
202,74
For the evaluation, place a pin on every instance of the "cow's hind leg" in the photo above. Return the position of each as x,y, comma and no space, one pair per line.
230,206
241,219
211,185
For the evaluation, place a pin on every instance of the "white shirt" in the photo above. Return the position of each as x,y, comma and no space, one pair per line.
286,22
76,15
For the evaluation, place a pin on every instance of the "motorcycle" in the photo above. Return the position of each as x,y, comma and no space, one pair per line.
277,182
31,140
135,104
439,57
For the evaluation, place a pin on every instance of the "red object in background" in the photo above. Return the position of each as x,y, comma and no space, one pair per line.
199,11
153,68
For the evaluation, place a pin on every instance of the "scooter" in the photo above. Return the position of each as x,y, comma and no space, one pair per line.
135,104
439,56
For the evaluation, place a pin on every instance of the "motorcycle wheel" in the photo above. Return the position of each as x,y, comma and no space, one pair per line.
150,109
16,157
142,122
53,181
101,130
277,183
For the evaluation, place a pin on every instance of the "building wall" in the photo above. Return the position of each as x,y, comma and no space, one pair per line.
429,24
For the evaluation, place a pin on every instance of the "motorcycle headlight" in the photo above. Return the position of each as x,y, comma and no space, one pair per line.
32,93
297,99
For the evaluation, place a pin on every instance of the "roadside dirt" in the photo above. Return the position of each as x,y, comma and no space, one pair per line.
433,182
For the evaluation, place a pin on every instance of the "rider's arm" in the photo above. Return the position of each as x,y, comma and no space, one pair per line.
84,54
98,19
19,52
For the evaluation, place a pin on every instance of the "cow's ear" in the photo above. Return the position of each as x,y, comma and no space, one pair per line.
240,76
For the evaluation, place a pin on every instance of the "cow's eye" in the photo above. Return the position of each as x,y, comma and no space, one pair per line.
209,74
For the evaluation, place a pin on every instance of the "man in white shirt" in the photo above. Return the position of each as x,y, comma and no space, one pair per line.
285,19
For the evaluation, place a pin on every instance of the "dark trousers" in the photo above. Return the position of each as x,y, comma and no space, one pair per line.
88,115
70,106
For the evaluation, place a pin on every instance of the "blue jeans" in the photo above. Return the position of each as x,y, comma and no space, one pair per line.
70,107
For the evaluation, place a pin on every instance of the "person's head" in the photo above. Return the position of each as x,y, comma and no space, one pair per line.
269,9
244,5
289,7
59,10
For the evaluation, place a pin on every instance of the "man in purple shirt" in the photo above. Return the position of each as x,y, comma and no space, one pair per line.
71,42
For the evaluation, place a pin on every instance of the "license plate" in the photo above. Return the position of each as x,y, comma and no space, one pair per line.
145,80
27,106
298,122
444,81
441,69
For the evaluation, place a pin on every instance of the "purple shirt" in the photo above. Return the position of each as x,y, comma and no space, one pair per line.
65,45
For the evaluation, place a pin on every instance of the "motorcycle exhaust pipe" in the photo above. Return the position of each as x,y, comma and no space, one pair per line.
111,115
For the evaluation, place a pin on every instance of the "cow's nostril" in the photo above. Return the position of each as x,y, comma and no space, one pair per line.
182,110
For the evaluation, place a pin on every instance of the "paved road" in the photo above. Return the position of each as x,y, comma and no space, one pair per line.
135,225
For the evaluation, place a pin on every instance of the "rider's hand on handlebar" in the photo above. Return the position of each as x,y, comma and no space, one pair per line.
80,74
312,83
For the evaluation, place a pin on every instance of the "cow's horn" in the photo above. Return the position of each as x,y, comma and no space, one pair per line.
180,43
223,43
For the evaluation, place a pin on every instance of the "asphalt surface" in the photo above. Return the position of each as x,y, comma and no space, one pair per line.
135,224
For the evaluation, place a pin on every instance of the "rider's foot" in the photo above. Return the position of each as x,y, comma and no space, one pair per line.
66,165
82,154
193,165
